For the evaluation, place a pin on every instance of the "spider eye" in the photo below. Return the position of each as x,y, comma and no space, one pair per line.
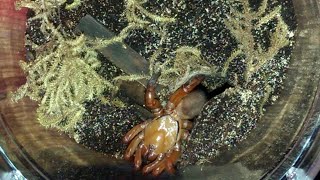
152,147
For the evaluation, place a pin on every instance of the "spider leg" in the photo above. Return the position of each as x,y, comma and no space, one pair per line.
144,150
148,168
184,134
186,124
134,131
152,156
172,159
137,159
161,167
184,131
168,162
180,93
133,146
150,97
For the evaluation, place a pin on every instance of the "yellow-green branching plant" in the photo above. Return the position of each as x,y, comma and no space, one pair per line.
242,22
63,76
187,63
138,18
176,71
48,5
61,79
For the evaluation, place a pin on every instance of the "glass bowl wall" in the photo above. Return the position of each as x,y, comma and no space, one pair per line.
285,142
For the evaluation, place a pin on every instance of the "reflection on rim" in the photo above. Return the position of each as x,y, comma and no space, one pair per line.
13,172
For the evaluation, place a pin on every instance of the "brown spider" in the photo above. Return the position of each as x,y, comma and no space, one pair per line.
158,140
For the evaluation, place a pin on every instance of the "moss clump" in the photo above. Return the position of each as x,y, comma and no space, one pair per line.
38,5
187,63
63,76
242,22
61,79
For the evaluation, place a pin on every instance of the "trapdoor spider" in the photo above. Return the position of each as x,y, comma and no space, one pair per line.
157,141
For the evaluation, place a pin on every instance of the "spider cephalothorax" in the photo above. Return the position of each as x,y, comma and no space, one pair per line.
158,140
